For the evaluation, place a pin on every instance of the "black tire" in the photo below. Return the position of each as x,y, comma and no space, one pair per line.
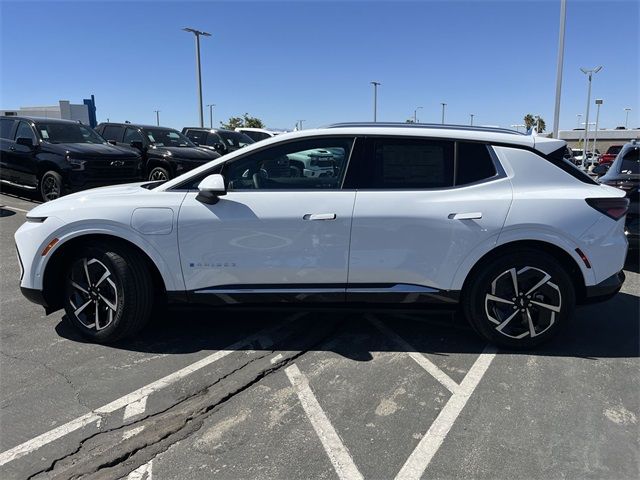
509,323
159,173
123,299
50,185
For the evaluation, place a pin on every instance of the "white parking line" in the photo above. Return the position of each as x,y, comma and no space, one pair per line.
420,359
135,396
15,209
333,446
135,408
275,358
420,458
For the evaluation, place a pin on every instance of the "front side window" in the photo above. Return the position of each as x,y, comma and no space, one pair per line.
24,131
235,139
112,132
67,133
308,164
257,136
212,139
164,137
197,136
132,135
398,163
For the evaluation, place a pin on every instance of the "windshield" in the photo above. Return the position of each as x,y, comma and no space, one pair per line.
165,137
235,139
68,133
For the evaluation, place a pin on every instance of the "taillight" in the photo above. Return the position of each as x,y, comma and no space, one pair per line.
615,208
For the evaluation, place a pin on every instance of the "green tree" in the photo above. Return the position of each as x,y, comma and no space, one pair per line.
245,120
530,121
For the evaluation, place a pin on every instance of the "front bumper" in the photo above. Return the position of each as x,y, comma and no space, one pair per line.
34,296
605,289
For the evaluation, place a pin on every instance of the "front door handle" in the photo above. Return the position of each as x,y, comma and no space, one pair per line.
465,216
319,216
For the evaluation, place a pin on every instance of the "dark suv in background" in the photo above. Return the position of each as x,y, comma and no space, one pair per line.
166,153
59,156
624,173
221,140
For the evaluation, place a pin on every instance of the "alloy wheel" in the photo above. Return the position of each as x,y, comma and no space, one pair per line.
50,188
523,302
158,175
93,293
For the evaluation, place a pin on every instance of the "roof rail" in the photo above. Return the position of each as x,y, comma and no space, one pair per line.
423,125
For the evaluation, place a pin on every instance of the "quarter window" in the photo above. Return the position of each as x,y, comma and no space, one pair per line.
631,161
309,164
473,163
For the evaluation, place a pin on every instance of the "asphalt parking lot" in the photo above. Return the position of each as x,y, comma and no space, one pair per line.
289,394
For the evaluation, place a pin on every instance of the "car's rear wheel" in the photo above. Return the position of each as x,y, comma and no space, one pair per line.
159,173
108,292
50,185
520,299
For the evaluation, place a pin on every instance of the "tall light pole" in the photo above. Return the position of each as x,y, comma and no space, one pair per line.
556,112
375,100
157,117
518,126
626,119
300,124
589,74
472,115
578,118
211,114
197,34
595,133
415,114
443,105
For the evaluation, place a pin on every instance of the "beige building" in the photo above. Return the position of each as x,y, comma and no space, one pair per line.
604,138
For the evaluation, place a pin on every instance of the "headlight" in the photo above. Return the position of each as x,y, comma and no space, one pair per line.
75,163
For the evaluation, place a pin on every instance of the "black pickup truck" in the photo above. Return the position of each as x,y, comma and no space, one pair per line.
56,157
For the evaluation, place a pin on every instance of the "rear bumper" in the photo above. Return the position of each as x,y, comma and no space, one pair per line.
605,289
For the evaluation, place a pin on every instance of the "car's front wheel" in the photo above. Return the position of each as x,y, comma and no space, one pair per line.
519,299
108,292
159,174
50,185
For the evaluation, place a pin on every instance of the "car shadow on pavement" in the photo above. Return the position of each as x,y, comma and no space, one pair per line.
605,330
632,262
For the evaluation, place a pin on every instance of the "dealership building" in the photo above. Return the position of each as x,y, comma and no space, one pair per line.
84,112
604,138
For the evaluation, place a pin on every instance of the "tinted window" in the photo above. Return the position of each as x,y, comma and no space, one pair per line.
197,136
257,136
164,137
6,126
294,165
67,133
212,139
112,132
24,131
631,161
410,164
132,135
614,149
234,139
474,163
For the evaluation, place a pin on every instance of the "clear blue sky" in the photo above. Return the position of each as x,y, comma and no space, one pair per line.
283,61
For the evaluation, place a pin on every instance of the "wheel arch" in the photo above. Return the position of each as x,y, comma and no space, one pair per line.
560,254
160,162
52,287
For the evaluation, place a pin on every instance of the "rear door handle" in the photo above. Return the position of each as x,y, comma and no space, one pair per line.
319,216
465,216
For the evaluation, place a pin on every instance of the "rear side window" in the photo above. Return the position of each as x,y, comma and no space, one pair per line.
631,161
410,164
6,126
112,132
473,163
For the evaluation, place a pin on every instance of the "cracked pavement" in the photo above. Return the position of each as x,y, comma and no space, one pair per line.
569,409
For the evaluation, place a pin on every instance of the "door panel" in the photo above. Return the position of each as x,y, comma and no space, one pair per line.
260,240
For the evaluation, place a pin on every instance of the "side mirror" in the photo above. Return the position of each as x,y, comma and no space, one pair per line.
25,142
219,147
112,142
211,188
136,144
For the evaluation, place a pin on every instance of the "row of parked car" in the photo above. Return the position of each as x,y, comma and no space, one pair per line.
54,157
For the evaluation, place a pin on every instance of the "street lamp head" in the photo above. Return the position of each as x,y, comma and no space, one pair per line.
375,83
627,109
597,69
196,32
599,101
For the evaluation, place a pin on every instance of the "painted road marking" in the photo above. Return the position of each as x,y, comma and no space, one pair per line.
15,209
421,456
143,472
135,396
132,432
135,408
420,359
275,359
333,446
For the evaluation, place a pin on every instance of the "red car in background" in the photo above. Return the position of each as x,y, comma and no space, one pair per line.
610,155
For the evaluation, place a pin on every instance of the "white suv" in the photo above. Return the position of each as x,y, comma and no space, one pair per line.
487,219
